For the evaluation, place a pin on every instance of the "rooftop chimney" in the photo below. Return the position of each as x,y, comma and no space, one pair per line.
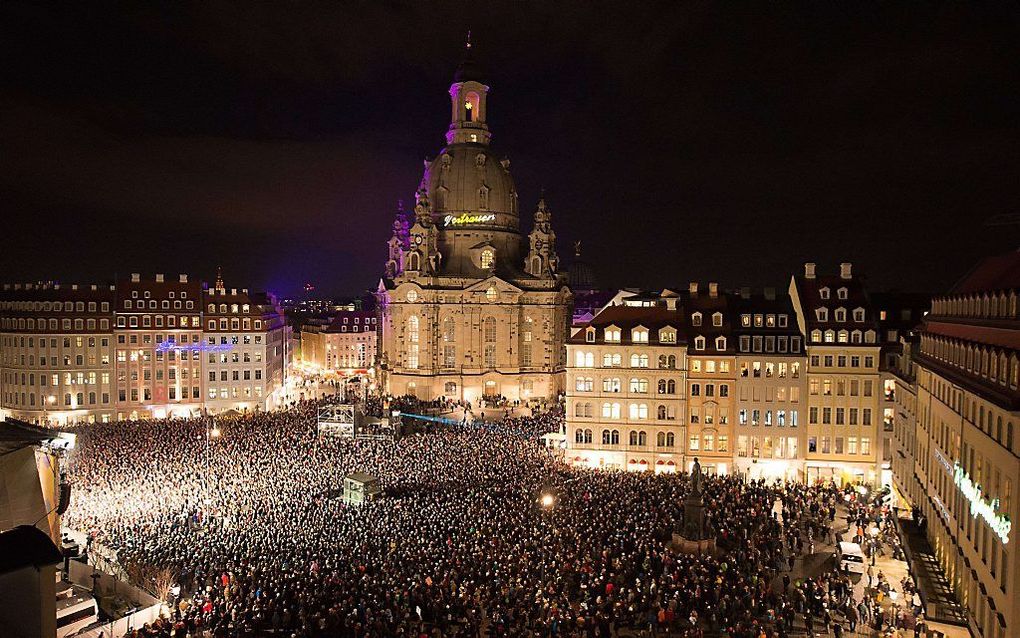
671,303
694,288
159,278
846,270
713,289
770,294
184,279
809,270
233,291
136,277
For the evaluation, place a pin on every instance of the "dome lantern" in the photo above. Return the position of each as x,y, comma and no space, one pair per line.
468,103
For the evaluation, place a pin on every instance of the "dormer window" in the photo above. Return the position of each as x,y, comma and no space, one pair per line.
841,293
745,321
720,343
667,335
830,336
823,293
840,314
612,334
816,336
488,258
639,335
822,314
699,343
696,319
589,335
859,315
782,321
717,319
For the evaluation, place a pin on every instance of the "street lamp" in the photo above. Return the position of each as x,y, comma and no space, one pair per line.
547,500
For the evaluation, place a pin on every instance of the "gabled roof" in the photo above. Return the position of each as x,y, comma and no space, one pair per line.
626,318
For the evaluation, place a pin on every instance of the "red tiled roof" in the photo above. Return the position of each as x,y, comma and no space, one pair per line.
988,335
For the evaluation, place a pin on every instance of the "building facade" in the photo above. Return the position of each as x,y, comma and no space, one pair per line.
347,344
469,306
844,398
141,348
56,352
711,379
955,454
626,387
771,387
245,338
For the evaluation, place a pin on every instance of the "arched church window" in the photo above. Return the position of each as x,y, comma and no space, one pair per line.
412,342
413,261
488,258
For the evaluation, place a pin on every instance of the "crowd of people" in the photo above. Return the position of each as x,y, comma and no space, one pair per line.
481,530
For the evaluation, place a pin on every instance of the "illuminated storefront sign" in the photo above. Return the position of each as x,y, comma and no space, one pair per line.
173,346
460,220
1000,524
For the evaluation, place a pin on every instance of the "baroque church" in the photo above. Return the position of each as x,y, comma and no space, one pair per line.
470,307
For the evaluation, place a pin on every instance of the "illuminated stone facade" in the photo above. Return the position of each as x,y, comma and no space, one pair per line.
844,398
469,306
142,348
955,455
627,386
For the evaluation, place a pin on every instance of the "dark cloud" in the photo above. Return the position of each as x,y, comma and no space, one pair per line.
678,140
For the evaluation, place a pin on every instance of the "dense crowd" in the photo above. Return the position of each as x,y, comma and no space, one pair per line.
250,526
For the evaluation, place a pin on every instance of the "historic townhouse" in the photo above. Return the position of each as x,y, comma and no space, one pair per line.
56,352
136,349
157,321
771,386
243,349
960,463
626,386
346,344
711,378
899,318
844,394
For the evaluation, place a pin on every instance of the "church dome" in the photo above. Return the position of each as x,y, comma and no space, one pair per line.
468,185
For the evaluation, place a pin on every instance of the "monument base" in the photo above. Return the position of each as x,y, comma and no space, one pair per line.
689,546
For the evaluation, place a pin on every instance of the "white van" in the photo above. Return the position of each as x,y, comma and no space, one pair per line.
851,558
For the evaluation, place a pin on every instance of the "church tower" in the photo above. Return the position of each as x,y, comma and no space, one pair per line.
470,306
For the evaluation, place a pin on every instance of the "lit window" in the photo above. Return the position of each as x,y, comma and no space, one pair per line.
488,258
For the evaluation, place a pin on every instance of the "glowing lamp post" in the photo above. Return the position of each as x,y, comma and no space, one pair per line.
547,501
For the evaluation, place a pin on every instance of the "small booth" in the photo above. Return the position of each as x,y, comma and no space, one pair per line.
360,487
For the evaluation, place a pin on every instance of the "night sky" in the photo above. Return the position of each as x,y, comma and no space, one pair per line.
678,141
